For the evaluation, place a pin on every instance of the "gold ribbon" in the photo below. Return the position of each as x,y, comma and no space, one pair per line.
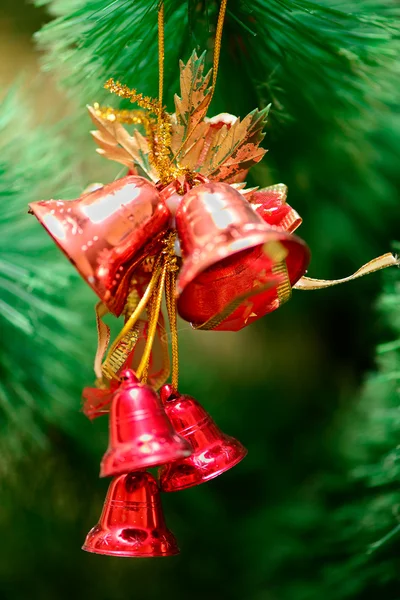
120,354
381,262
284,289
164,272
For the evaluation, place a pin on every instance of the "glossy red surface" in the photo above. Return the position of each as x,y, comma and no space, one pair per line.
106,233
132,522
222,240
276,212
213,451
141,434
273,208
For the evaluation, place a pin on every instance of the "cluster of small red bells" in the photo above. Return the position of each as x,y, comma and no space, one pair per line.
147,430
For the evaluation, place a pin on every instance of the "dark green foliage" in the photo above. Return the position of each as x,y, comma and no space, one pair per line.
43,341
330,73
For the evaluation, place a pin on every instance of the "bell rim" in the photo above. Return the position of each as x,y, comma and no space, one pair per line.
213,475
174,552
145,464
260,235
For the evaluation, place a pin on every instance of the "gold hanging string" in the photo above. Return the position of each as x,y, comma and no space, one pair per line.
143,367
161,56
160,134
172,316
167,281
218,40
130,323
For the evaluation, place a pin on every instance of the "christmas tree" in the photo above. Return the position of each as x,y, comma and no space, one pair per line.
310,389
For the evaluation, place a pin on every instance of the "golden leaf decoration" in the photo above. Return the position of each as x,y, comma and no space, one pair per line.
235,148
115,143
191,107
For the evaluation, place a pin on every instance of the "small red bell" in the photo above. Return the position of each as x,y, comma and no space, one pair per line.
213,451
106,233
132,522
227,253
141,435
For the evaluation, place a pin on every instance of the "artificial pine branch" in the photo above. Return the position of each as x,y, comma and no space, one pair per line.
328,68
43,340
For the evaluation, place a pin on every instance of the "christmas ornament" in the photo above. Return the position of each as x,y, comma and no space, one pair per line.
213,452
108,232
132,522
229,254
141,435
180,223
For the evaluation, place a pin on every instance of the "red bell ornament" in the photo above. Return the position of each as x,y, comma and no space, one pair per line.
228,256
141,435
213,451
132,522
270,204
106,233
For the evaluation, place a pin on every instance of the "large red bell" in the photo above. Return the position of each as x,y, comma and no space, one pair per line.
229,254
270,204
106,233
213,451
141,435
132,522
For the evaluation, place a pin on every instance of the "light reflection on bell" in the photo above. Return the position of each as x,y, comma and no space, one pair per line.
141,435
132,522
228,252
213,451
107,232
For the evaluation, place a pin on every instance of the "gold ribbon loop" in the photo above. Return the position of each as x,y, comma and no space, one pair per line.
120,354
381,262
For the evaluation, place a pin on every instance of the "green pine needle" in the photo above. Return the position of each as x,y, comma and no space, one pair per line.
42,354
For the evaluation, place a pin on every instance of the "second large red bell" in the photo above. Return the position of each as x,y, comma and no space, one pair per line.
213,451
229,255
141,434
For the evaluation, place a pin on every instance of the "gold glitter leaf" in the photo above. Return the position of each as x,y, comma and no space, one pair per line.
191,107
235,148
117,144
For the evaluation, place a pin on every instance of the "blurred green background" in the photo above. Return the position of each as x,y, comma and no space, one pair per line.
296,519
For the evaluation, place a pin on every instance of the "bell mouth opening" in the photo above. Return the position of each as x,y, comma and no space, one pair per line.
188,473
168,393
234,278
173,396
216,287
